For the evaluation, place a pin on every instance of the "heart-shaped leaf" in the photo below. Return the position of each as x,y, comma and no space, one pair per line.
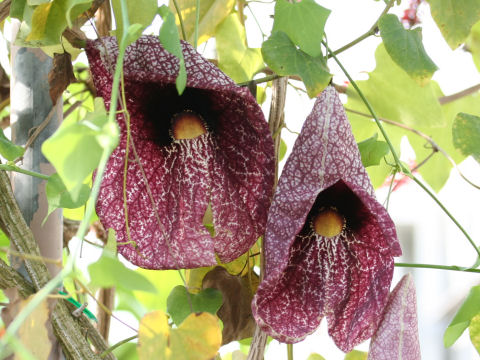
306,30
469,309
197,338
406,49
372,150
180,300
282,55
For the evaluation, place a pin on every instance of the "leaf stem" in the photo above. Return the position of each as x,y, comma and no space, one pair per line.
437,267
405,170
180,19
118,344
369,33
8,167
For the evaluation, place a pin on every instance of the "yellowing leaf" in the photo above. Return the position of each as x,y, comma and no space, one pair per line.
139,12
234,57
197,338
49,20
474,330
212,13
455,18
33,333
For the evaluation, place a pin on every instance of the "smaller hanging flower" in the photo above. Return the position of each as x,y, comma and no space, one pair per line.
329,244
397,334
206,153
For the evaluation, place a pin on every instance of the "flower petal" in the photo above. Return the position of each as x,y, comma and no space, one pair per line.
231,167
397,334
349,280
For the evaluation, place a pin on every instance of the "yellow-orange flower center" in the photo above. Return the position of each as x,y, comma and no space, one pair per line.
187,125
328,223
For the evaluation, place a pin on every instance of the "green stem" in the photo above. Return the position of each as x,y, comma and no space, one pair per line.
369,33
437,267
197,21
84,225
7,167
118,344
180,18
290,351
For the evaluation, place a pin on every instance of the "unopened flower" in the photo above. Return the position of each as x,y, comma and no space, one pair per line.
329,244
208,149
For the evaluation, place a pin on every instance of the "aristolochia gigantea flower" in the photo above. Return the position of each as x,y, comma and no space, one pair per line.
207,153
329,244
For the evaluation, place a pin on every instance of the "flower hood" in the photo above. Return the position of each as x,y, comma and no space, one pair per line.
225,172
346,276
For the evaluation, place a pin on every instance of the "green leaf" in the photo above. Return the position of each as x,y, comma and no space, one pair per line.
407,102
75,148
141,12
372,150
473,44
466,134
356,355
463,317
108,271
474,330
212,13
303,22
179,300
455,18
282,151
164,282
198,338
171,42
17,9
281,54
406,49
59,197
234,57
8,149
314,356
49,20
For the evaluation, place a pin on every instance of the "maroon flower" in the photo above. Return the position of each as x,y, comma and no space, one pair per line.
209,148
397,334
329,244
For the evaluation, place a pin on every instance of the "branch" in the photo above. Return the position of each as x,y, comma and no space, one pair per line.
14,226
4,9
450,98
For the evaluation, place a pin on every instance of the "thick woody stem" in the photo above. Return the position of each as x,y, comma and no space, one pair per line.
67,329
275,122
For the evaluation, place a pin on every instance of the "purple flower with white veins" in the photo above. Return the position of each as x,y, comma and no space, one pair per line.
208,149
329,244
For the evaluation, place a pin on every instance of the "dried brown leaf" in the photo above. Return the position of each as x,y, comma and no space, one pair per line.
235,312
61,75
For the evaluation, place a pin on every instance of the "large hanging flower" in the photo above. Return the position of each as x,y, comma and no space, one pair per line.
329,244
208,151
